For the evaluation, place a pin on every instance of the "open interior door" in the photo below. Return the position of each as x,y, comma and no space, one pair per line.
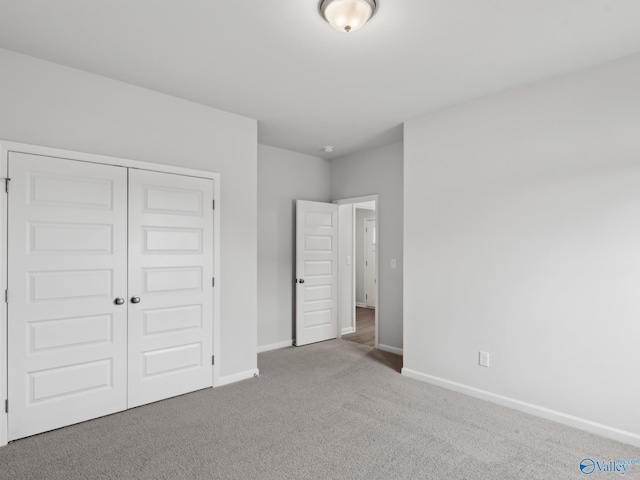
316,272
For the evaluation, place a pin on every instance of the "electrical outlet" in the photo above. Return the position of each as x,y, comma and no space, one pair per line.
348,259
483,359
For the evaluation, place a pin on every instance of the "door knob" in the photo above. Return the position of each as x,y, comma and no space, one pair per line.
135,299
301,280
119,301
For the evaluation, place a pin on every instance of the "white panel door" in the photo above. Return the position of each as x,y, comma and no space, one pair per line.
67,263
316,272
170,285
370,272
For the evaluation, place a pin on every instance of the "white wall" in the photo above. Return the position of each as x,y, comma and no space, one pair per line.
46,104
522,238
361,216
379,171
283,177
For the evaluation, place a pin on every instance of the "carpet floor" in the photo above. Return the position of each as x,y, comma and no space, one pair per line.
333,410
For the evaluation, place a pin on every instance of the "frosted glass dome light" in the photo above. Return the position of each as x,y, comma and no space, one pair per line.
347,15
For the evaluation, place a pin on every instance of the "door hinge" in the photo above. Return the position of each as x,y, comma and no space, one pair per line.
213,359
6,295
366,297
6,406
213,204
366,263
213,281
6,184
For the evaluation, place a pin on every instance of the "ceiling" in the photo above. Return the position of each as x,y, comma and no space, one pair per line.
308,85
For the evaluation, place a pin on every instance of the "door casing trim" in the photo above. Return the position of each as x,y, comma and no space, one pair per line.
353,201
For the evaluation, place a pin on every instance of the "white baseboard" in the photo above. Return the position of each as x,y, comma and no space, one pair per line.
361,305
390,349
559,417
347,331
237,377
3,431
275,346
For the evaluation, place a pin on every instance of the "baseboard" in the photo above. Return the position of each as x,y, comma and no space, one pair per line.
3,431
237,377
275,346
559,417
361,305
347,331
390,349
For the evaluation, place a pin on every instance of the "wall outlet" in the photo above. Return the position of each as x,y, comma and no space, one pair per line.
483,359
348,260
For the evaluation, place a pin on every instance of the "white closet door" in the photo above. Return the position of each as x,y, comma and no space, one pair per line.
170,276
67,263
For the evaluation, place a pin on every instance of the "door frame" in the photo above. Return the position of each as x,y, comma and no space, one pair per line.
352,201
5,148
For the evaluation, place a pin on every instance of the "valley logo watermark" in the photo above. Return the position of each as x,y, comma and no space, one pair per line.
589,466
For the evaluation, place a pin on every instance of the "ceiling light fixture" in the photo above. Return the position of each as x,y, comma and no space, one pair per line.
347,15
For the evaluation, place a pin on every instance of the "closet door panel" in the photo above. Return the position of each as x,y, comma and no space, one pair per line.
67,262
170,272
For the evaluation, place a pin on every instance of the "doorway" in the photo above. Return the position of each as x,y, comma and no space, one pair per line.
369,258
357,269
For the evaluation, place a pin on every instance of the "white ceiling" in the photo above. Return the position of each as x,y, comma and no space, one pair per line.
308,85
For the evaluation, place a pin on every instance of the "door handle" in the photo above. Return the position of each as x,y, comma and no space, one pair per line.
135,299
301,280
119,301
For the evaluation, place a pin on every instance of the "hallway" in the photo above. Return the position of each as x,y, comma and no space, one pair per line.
365,333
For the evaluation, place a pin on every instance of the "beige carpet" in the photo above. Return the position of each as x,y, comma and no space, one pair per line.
334,410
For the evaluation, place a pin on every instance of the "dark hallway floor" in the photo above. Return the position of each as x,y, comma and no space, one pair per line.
365,327
365,334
